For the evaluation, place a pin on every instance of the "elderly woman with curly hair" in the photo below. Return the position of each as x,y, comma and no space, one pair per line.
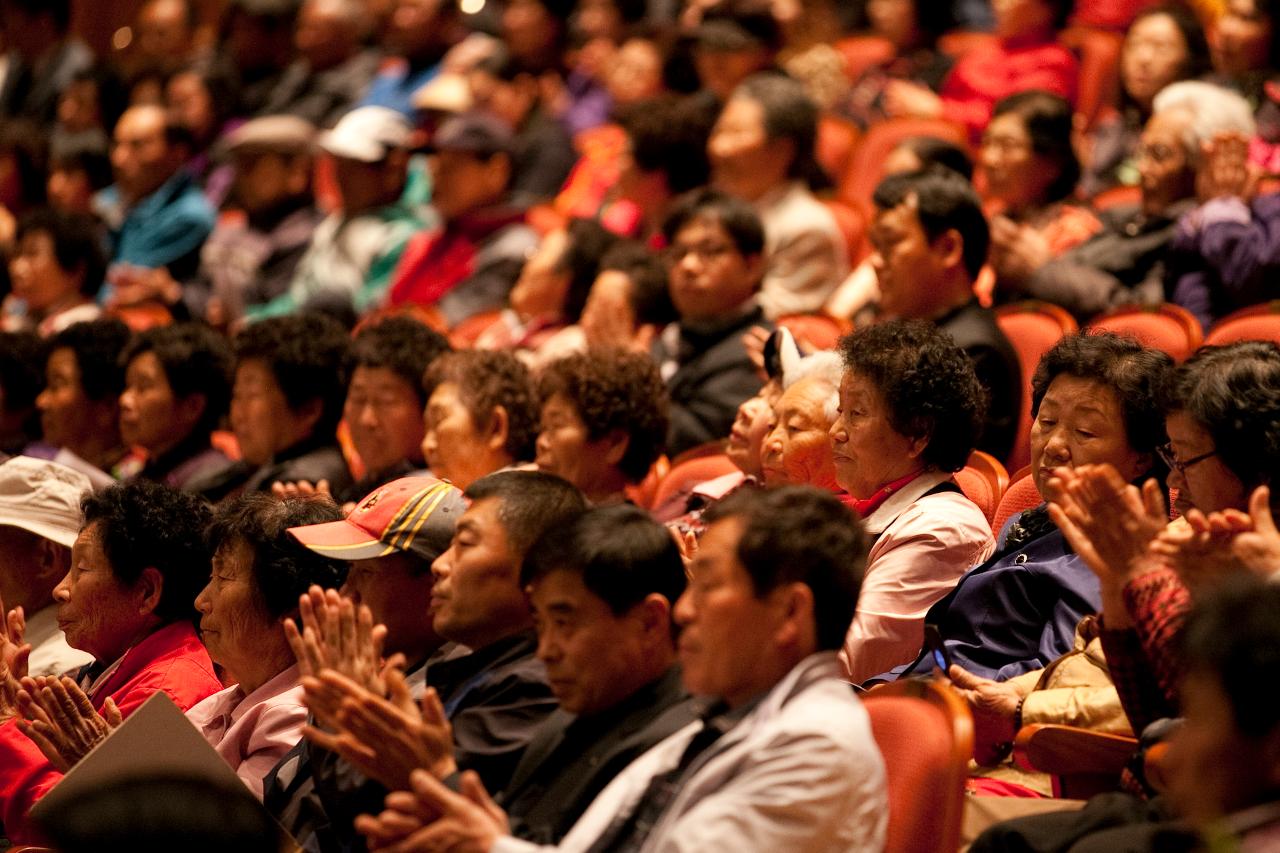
1096,399
481,415
911,410
604,420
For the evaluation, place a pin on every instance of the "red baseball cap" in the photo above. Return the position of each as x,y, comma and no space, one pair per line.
414,515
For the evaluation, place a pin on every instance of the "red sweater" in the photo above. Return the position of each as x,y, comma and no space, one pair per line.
172,659
983,77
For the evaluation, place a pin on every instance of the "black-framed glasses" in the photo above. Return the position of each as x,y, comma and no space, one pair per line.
1175,464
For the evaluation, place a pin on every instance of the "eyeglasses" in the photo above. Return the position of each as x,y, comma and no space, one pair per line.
704,252
1170,458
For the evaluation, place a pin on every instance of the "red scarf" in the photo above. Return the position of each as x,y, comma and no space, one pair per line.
871,504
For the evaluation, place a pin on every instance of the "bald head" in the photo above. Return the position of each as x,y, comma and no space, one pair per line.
143,156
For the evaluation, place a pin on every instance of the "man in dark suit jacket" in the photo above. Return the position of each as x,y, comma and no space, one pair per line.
716,257
929,241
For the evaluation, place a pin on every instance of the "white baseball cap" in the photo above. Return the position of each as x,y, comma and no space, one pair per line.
367,134
42,497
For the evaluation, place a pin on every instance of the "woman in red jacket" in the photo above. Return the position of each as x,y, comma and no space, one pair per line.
136,567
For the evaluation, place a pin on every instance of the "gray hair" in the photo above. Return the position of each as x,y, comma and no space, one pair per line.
825,365
1210,110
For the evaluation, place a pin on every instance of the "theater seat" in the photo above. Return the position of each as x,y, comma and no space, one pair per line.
1033,328
1167,327
925,733
682,478
1082,762
641,494
816,330
837,140
983,480
1021,495
1256,323
866,169
861,52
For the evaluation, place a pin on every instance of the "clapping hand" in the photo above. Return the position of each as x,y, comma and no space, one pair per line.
61,721
339,636
432,817
14,654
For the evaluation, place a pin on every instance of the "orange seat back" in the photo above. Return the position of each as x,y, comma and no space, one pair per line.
1021,495
1256,323
817,330
983,480
925,733
1033,328
642,494
684,477
1167,327
837,140
862,52
866,168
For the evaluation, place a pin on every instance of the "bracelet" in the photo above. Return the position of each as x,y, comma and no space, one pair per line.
1017,716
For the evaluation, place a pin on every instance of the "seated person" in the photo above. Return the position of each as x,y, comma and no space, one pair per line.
1220,763
910,409
716,258
604,581
603,422
1027,56
286,401
385,400
913,28
332,69
1031,173
157,215
79,406
796,448
1221,256
392,538
929,241
78,171
21,381
39,520
542,152
760,621
417,36
762,150
1163,45
481,415
733,40
251,261
136,567
551,291
1124,263
55,270
629,303
177,386
468,264
1095,399
353,252
258,573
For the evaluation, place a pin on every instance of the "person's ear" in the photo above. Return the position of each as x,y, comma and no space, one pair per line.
654,614
797,626
498,430
53,563
916,446
308,415
616,444
149,589
755,268
949,246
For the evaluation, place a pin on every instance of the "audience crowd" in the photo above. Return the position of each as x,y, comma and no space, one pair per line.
511,425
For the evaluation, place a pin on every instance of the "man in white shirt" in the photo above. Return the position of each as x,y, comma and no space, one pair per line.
782,757
39,519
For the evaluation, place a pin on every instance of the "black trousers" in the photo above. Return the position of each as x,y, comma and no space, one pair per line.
1109,823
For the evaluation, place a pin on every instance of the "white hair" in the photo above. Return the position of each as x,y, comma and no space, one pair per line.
1210,110
825,365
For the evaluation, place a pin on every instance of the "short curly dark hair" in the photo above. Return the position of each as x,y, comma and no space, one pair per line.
97,345
283,568
144,525
928,383
485,381
1234,393
614,390
403,345
1137,375
195,360
307,355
